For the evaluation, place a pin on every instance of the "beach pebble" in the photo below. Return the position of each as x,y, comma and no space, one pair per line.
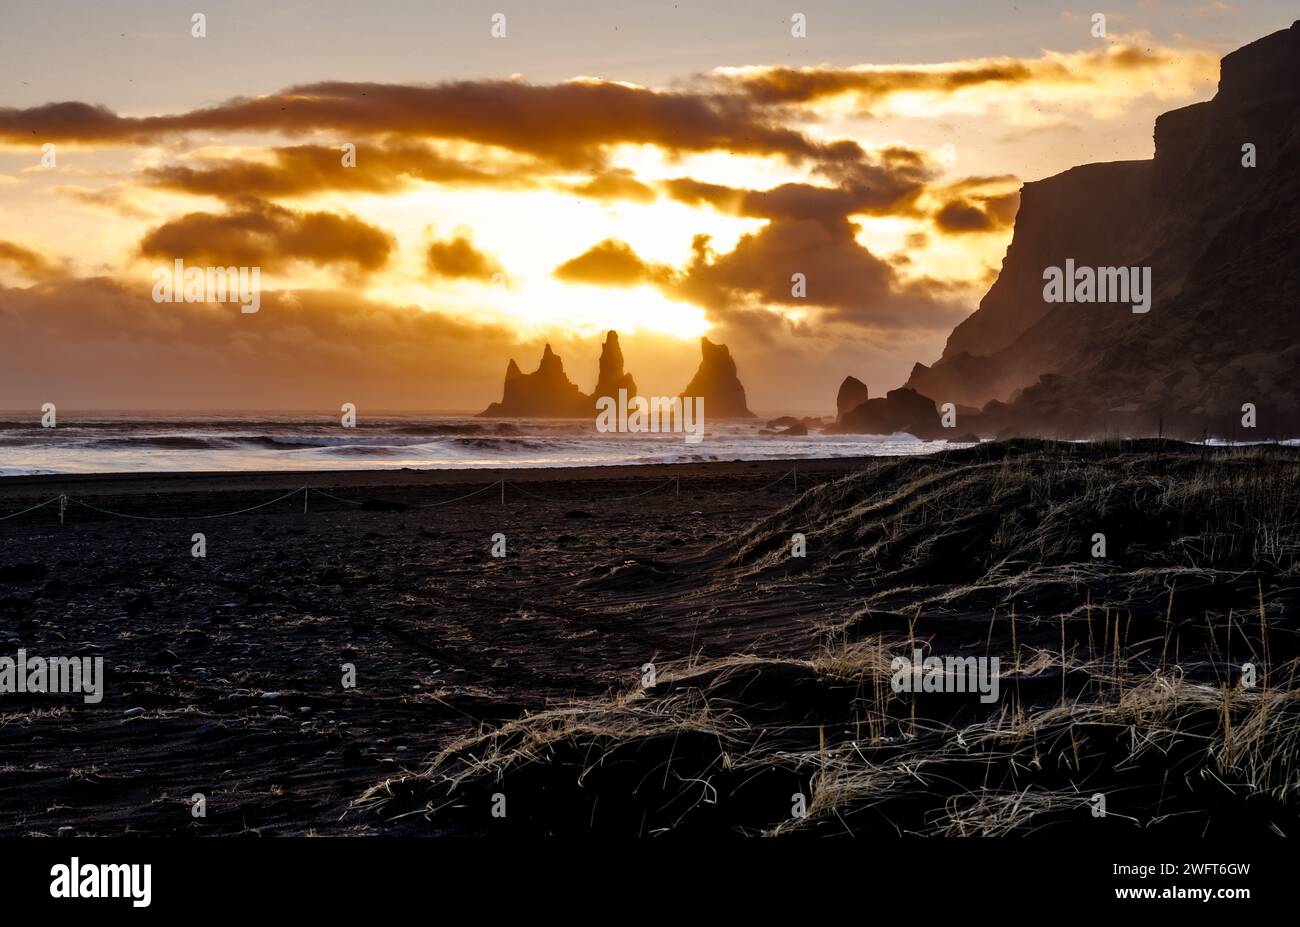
133,712
22,572
139,603
270,696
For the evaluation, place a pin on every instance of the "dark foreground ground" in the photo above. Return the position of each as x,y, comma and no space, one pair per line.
236,658
509,695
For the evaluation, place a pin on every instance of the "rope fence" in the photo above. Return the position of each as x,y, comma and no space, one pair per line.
64,501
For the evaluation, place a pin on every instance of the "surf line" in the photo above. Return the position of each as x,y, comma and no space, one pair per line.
657,414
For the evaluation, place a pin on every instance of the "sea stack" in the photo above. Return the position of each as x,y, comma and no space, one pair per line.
716,381
900,411
853,393
612,378
545,393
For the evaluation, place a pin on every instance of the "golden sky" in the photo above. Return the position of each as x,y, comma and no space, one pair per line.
489,212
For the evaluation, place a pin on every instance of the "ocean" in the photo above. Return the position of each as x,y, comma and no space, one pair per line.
122,443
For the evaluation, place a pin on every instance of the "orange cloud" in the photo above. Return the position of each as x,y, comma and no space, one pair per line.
1114,66
570,123
458,258
259,234
27,262
305,169
611,263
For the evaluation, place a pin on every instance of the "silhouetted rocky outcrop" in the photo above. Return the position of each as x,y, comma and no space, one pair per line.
717,382
853,393
1222,241
901,410
546,392
612,378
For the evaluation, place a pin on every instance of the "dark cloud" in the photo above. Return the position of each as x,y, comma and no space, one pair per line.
569,124
978,214
810,232
97,343
803,85
618,184
305,169
457,258
611,263
27,262
877,184
786,85
255,233
844,280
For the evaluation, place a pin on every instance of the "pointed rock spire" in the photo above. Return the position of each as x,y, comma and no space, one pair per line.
716,380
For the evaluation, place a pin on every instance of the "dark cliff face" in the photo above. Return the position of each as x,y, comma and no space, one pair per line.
1223,244
717,382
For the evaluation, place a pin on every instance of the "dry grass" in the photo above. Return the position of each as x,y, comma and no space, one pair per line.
1119,676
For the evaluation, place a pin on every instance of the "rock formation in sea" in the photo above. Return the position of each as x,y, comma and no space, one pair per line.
548,393
1215,215
545,393
717,382
612,378
853,393
900,410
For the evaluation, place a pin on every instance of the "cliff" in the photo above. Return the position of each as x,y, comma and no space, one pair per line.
1221,241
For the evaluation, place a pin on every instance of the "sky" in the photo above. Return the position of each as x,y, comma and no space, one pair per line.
828,188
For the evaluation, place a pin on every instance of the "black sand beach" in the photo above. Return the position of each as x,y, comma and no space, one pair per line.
523,678
236,658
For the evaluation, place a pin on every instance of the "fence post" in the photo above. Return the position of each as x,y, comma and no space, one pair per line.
63,505
305,491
